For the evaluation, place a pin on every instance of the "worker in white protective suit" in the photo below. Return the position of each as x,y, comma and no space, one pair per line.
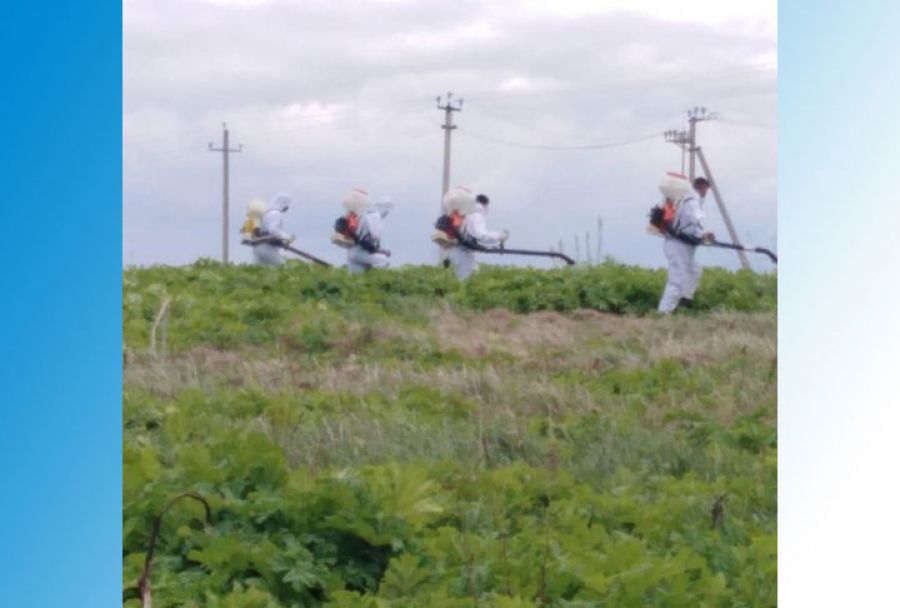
684,272
474,229
367,252
272,227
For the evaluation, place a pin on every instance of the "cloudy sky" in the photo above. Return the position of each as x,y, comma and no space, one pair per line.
326,95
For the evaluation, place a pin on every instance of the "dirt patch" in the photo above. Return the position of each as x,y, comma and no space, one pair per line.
475,334
593,341
208,356
478,334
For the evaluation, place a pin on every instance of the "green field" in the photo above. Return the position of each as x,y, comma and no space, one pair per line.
400,439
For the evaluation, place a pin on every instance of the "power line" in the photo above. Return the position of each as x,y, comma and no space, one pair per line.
543,133
741,123
657,80
499,116
598,146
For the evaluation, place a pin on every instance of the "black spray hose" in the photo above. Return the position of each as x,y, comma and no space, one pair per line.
503,250
303,254
761,250
693,240
286,247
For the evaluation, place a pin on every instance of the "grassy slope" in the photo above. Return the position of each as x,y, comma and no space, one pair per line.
438,454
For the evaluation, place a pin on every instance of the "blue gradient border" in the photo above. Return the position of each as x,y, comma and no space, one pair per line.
839,306
60,434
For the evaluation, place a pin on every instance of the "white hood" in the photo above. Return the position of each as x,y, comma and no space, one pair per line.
281,202
384,205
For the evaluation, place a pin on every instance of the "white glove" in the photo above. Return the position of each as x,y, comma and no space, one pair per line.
289,239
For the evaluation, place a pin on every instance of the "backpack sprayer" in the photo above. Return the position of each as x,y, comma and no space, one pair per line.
662,218
448,229
346,235
347,227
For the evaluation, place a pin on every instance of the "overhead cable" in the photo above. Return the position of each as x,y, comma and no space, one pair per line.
597,146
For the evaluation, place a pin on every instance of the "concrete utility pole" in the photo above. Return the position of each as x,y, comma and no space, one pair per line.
695,115
745,263
587,248
599,240
681,139
449,108
225,150
688,140
692,146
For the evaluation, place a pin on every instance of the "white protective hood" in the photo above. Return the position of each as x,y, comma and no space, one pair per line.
281,202
384,205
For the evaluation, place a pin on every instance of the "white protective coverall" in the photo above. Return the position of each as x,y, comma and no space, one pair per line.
474,226
371,224
684,272
272,224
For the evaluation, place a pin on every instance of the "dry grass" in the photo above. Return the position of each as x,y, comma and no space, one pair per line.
534,349
511,375
582,335
687,339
